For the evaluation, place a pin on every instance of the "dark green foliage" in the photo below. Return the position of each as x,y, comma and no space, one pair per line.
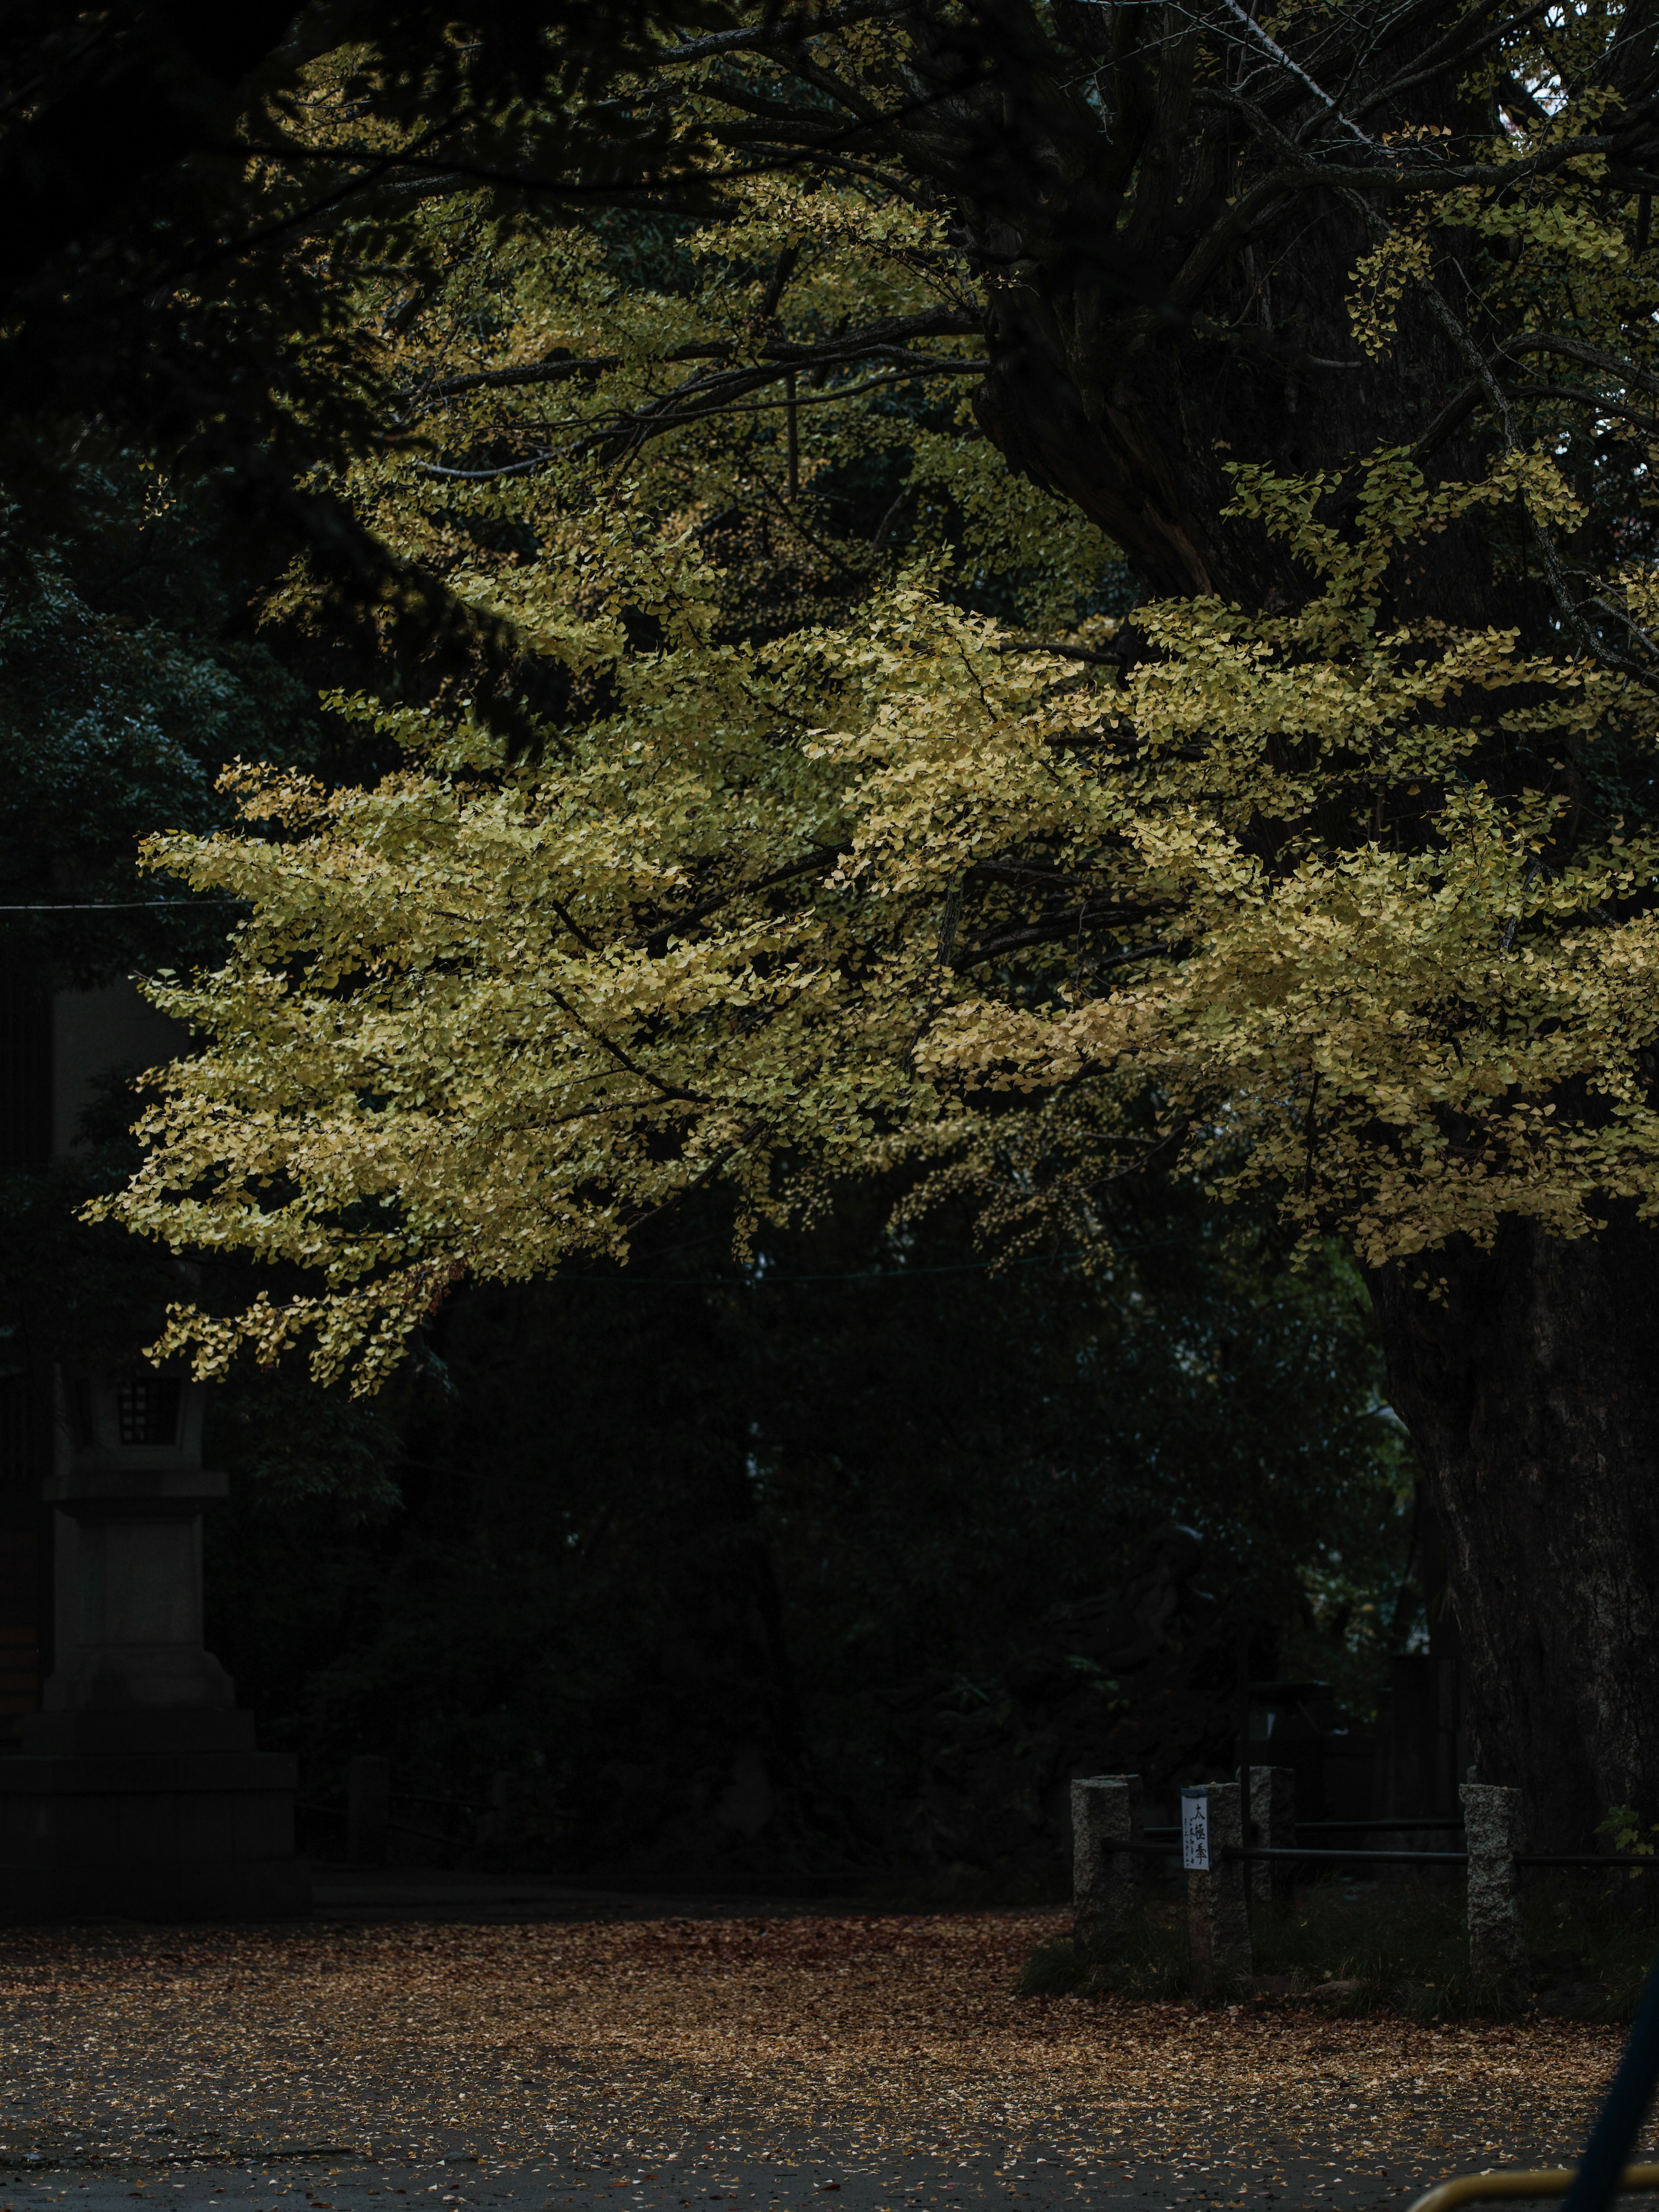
1154,1964
1057,1969
128,679
197,304
716,1562
710,1559
126,683
1402,1946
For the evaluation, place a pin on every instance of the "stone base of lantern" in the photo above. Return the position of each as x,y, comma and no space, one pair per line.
137,1792
169,1815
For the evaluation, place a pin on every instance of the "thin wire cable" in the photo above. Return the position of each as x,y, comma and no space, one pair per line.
117,906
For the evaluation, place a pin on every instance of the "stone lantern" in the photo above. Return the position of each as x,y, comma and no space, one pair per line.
129,1490
138,1789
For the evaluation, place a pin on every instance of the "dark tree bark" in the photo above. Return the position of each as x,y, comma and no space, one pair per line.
1532,1392
1165,210
715,1720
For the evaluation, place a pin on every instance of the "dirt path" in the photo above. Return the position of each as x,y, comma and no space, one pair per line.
753,2063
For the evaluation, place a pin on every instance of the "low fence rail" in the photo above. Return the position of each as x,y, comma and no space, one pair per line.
371,1814
1226,1873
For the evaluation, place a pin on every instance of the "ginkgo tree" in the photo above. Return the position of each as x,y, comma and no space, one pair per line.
870,831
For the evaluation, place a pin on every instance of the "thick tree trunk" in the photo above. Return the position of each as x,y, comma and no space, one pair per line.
1532,1393
1142,436
1167,273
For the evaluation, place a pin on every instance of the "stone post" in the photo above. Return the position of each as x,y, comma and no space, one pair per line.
368,1810
1106,1809
1497,1942
1217,1916
137,1790
1273,1823
130,1492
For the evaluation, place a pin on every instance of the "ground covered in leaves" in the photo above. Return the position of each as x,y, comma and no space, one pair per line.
547,2044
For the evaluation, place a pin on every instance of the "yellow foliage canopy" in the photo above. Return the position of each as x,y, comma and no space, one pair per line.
833,864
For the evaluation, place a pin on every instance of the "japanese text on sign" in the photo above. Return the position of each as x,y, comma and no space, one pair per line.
1196,1831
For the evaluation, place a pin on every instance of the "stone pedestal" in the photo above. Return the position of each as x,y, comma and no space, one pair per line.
1273,1826
1106,1812
137,1790
1217,1913
1493,1830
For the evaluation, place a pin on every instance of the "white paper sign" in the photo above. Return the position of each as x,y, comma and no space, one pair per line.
1196,1831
